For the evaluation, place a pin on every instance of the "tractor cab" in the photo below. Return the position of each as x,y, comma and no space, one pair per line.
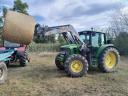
93,39
96,42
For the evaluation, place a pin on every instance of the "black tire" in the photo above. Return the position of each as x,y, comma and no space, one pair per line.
3,72
59,64
23,59
7,63
102,65
68,65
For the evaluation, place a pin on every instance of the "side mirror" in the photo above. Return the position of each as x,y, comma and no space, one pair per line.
109,41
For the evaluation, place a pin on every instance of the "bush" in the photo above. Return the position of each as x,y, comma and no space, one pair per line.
121,42
44,47
46,39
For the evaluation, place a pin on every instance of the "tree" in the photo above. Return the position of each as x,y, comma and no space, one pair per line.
46,39
119,31
121,43
61,39
39,35
19,6
119,23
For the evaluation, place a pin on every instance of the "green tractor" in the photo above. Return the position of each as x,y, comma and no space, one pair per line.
83,49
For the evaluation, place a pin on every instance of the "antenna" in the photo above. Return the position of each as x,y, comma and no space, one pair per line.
92,29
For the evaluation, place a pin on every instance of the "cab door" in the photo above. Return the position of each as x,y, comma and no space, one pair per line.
97,40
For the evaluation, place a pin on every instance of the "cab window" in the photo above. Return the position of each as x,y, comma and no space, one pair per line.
95,39
102,39
84,38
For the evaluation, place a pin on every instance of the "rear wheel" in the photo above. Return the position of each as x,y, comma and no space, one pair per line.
76,66
3,72
108,59
58,63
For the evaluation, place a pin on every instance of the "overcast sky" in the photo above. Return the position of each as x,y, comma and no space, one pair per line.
82,14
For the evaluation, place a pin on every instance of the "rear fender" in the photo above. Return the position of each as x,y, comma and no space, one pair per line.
102,48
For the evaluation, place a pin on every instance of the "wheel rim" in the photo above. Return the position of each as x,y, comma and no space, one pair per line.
76,66
110,60
1,72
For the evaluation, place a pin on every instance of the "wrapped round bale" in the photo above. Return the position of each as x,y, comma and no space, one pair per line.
18,27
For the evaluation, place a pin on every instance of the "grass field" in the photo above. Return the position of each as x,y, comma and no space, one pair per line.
41,78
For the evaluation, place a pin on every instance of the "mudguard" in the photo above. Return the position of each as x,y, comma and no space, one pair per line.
102,48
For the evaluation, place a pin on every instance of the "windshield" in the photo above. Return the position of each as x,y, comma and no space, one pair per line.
84,37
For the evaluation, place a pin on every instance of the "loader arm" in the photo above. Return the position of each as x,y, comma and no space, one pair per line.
60,29
68,32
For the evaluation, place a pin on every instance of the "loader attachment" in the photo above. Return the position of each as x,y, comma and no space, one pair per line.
68,32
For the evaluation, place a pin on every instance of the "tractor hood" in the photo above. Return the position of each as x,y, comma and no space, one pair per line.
70,49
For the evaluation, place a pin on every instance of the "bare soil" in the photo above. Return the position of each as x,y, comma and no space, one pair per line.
41,78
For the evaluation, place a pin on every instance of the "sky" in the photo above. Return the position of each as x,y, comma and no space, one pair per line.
82,14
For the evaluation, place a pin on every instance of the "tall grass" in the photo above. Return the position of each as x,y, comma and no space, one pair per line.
44,47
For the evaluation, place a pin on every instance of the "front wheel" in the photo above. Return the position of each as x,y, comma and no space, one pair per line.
76,65
108,60
3,72
58,63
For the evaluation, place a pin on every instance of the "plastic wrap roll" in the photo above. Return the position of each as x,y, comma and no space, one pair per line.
18,27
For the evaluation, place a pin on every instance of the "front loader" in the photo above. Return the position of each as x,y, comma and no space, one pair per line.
83,49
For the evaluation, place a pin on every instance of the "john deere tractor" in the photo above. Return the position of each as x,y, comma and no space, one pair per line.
83,49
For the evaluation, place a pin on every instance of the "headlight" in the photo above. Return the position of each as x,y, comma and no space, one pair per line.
64,51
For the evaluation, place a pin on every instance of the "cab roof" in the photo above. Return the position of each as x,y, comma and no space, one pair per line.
89,31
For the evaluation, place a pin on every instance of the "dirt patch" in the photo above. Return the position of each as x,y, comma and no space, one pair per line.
41,78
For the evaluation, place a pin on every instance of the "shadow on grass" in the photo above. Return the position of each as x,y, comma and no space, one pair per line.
94,71
13,66
45,72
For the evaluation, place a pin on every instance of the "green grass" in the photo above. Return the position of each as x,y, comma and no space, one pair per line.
41,78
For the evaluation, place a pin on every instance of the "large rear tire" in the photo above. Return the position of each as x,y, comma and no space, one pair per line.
108,59
58,63
3,72
76,66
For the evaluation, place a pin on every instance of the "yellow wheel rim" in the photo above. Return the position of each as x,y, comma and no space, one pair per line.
110,60
76,66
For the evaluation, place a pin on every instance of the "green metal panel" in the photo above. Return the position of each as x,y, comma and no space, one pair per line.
71,48
100,50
